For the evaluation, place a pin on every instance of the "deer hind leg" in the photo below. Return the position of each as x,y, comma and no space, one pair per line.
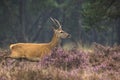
14,55
11,56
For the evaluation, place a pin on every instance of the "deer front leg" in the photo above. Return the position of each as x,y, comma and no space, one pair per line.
36,59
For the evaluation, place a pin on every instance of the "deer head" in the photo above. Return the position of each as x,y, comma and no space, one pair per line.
59,32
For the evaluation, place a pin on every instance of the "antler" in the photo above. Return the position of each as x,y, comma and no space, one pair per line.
56,22
59,25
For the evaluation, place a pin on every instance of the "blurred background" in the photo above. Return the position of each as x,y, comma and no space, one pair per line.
87,21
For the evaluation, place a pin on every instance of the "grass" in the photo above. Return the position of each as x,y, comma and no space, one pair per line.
75,64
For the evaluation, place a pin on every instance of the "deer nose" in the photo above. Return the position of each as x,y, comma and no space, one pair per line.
69,36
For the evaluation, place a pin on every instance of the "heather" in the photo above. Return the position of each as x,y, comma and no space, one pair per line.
103,63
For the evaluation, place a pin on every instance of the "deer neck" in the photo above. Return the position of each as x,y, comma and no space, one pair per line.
54,42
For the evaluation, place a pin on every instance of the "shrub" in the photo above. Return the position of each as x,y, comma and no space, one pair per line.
67,59
102,64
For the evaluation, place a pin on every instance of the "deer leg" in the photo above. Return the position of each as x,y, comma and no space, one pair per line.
14,55
36,59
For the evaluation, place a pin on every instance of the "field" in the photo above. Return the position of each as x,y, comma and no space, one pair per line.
103,63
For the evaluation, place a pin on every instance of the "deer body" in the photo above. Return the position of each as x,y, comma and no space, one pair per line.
34,51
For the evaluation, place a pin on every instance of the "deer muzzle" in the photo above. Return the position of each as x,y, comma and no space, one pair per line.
68,36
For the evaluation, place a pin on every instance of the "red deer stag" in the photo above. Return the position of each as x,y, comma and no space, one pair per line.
35,51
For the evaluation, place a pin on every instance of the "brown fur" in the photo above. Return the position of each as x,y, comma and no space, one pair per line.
34,51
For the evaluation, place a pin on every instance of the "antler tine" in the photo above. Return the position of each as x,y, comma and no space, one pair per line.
53,20
59,25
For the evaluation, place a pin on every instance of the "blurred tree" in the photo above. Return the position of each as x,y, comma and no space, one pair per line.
98,13
85,20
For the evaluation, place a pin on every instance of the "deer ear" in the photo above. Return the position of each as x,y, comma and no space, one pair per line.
53,28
